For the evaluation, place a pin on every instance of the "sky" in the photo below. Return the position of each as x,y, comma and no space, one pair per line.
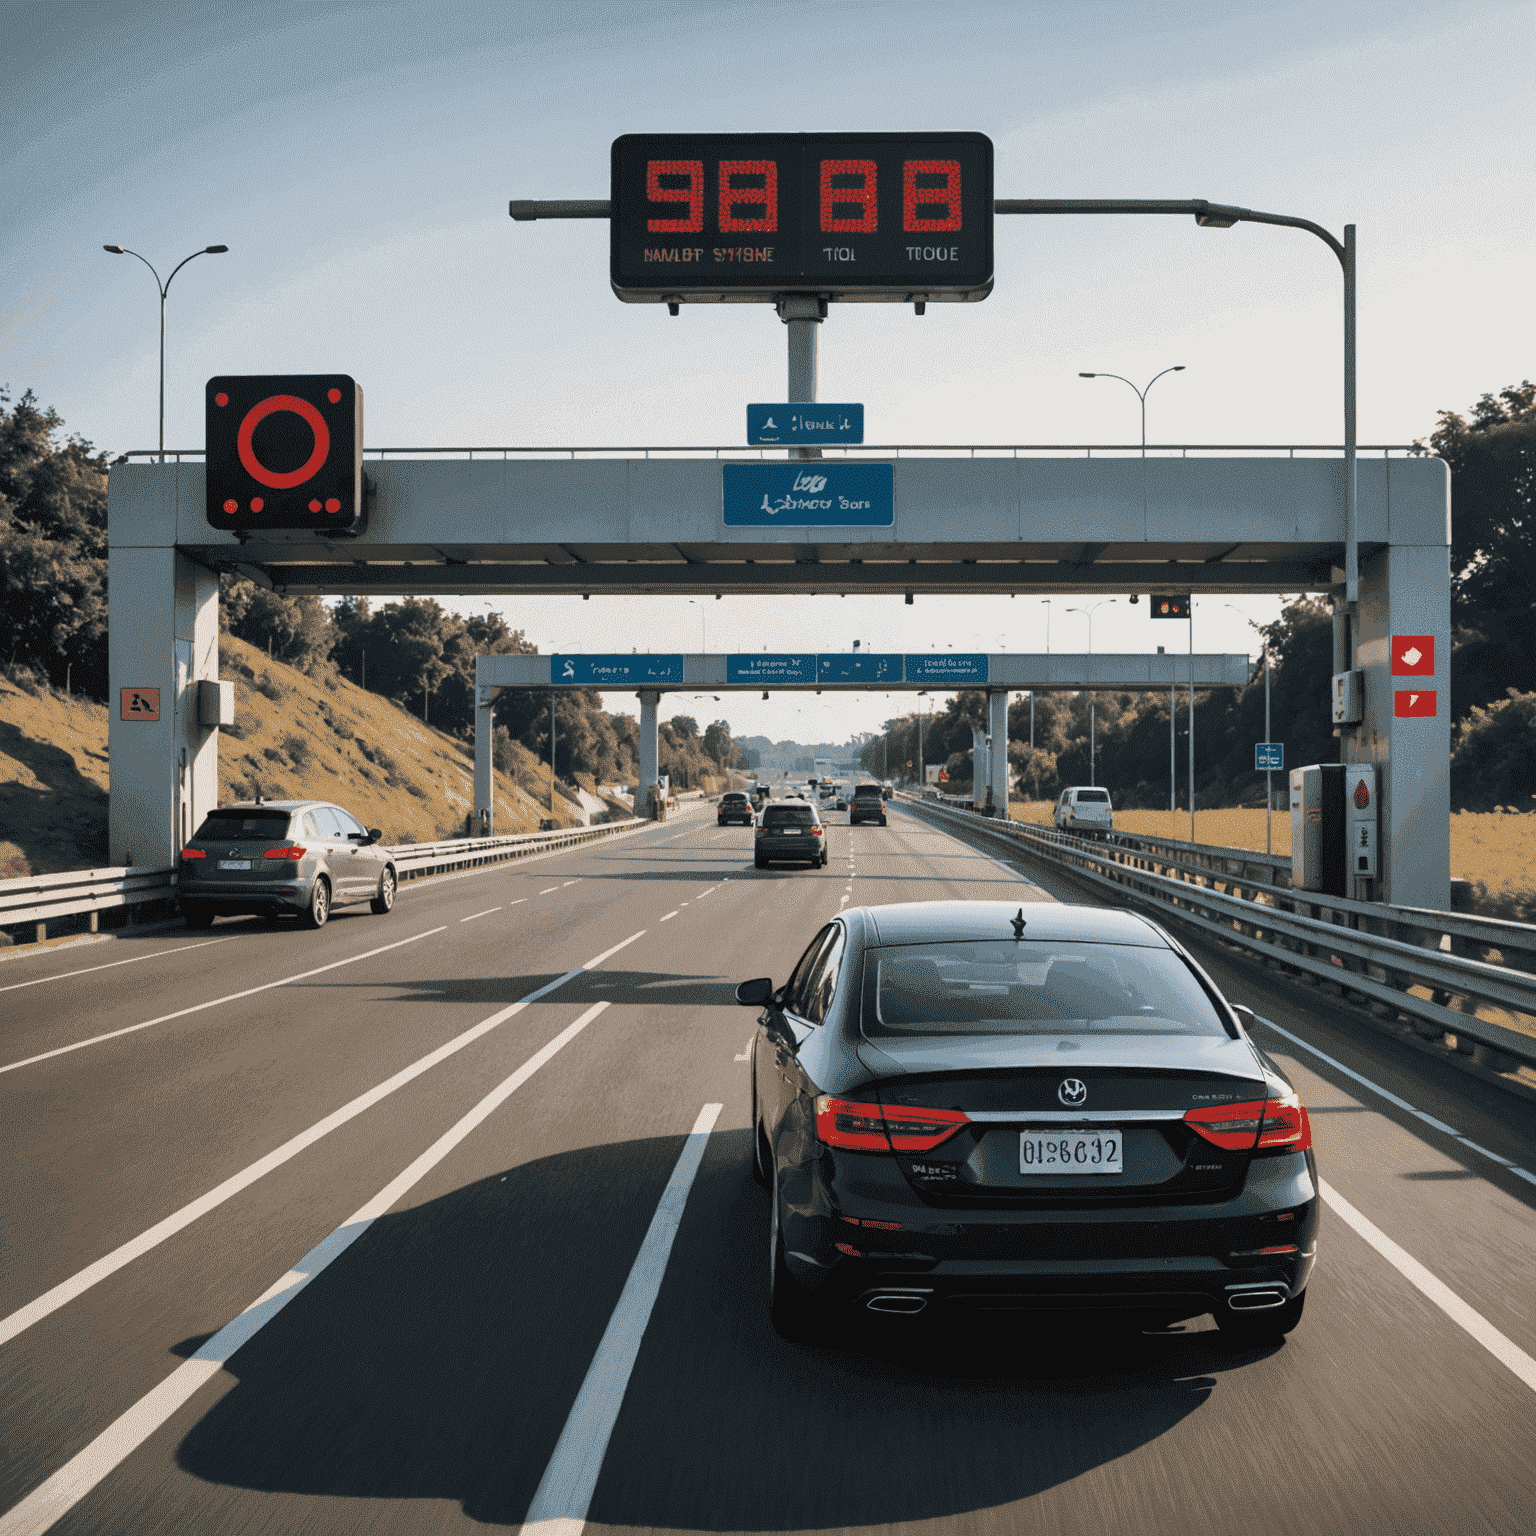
358,159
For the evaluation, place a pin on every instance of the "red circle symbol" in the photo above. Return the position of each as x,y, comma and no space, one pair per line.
332,505
334,396
259,413
257,504
221,398
314,506
231,505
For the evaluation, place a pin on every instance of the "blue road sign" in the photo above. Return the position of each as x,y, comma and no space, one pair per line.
616,671
808,494
1268,755
771,424
947,669
770,668
858,667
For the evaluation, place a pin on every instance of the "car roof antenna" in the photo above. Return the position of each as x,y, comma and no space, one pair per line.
1018,924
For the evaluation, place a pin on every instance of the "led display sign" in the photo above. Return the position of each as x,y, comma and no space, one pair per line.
284,451
750,216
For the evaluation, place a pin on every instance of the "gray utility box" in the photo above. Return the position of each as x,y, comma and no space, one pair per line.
1348,698
215,702
1334,828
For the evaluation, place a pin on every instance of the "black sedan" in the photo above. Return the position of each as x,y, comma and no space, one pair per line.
963,1106
734,806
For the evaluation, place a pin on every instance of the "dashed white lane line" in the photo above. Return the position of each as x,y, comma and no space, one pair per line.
1503,1349
669,916
159,954
564,1495
50,1502
1392,1098
546,891
520,900
229,997
703,894
576,881
77,1284
473,915
746,1055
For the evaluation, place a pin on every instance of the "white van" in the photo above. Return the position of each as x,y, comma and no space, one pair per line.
1084,808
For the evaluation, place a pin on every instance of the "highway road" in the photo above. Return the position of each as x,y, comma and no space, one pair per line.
442,1220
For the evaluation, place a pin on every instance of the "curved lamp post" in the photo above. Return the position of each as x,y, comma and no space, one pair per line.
1269,793
165,287
1141,394
1092,701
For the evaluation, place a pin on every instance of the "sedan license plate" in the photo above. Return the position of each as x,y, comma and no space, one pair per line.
1070,1152
234,863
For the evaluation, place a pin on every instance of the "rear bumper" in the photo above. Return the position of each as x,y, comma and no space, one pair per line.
230,899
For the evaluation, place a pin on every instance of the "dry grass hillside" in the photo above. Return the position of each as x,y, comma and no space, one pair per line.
294,736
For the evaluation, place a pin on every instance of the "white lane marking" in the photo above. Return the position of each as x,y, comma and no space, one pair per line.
37,981
598,959
746,1055
50,1502
843,902
520,900
551,888
703,894
669,916
565,883
1503,1349
93,1274
229,997
1403,1104
473,915
565,1491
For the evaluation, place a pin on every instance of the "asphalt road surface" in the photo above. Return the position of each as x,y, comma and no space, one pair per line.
443,1220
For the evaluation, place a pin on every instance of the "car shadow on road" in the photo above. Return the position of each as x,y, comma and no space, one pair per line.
647,988
439,1356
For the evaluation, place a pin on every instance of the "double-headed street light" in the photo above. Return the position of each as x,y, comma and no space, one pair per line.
1269,793
1092,721
1141,394
165,287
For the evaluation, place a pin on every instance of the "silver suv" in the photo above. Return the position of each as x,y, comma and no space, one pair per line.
1085,808
283,856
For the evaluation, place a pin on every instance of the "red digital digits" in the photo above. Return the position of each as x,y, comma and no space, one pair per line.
848,184
930,196
749,185
691,191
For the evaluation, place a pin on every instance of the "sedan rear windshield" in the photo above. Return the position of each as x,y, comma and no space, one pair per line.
867,792
1092,797
238,823
788,815
733,798
1002,987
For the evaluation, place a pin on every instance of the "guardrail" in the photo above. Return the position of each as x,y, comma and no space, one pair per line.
1430,969
30,904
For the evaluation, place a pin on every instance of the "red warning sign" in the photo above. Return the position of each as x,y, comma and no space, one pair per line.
1410,705
1413,656
140,704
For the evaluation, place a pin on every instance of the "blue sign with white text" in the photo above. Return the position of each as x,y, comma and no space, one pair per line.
766,669
809,494
858,667
1268,756
947,669
616,671
770,424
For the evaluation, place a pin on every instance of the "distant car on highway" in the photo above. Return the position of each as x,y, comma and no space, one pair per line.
887,789
867,804
789,832
1041,1110
1084,808
277,857
734,806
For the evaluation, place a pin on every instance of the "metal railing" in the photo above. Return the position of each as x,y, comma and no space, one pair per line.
883,451
30,904
1461,982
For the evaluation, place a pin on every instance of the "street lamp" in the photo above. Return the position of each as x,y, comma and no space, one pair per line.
1092,701
165,287
1141,394
1047,603
1269,793
703,625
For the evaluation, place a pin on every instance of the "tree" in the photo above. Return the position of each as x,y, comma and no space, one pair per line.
53,548
717,742
295,630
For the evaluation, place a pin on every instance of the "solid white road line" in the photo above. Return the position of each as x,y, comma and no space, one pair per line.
37,981
230,997
93,1274
1503,1349
551,888
473,915
1392,1098
565,1491
46,1505
669,916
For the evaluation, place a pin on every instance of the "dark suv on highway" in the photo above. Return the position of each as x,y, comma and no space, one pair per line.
283,856
789,830
734,806
868,804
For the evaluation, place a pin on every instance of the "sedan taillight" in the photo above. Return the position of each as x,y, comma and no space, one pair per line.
874,1128
1287,1126
295,854
1279,1125
193,853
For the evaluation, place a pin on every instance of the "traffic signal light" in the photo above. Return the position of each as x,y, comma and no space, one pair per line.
1169,607
285,451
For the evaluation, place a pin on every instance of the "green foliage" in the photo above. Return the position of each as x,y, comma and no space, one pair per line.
1493,756
53,546
295,630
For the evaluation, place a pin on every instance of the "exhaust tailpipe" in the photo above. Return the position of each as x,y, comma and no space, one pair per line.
1255,1301
904,1302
